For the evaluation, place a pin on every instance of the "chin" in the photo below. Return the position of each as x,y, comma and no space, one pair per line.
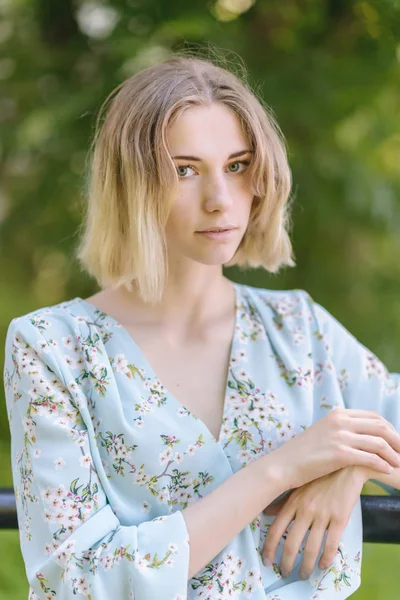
216,255
215,259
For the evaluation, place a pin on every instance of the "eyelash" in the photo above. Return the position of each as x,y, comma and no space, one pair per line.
237,162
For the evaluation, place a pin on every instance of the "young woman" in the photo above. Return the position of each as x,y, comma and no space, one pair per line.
155,422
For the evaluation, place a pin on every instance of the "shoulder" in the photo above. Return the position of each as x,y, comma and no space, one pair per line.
295,303
64,315
280,316
50,339
294,317
49,330
296,310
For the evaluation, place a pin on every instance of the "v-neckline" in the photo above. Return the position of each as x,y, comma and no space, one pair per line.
92,308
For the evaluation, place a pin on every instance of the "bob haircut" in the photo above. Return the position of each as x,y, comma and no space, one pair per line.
132,180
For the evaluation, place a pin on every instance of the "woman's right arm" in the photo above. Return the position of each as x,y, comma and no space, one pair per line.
72,542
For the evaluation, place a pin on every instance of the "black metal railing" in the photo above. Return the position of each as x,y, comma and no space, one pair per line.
8,509
380,514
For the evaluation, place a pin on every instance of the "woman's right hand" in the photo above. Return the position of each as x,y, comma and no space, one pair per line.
342,438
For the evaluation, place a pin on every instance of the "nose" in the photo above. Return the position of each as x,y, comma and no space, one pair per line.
217,195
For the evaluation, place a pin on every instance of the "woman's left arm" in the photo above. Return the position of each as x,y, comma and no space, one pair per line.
364,381
325,505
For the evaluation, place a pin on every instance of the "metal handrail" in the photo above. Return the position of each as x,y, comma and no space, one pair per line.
8,509
380,515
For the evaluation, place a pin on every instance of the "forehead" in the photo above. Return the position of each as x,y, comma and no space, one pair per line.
207,131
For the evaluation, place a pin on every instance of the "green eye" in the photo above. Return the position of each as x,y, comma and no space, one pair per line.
184,174
239,162
183,167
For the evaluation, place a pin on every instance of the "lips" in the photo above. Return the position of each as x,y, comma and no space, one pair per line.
216,229
218,235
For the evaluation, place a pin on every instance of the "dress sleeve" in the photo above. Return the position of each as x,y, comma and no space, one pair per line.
73,544
364,380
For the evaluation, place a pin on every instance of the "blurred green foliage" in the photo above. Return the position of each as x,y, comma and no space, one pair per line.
330,71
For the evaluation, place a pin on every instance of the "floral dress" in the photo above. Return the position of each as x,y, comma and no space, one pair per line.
105,459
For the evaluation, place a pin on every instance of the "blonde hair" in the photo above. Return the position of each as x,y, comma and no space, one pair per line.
132,180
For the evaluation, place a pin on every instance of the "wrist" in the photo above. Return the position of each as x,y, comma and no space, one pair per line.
359,472
274,475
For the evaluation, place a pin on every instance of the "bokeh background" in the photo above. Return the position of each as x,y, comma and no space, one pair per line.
329,70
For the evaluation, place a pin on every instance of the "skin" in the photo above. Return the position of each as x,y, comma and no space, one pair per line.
323,504
212,191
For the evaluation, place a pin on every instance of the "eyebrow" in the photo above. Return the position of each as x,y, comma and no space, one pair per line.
234,155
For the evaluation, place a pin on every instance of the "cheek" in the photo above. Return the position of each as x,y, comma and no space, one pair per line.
247,201
180,219
244,192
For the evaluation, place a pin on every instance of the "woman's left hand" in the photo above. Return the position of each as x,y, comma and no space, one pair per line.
324,503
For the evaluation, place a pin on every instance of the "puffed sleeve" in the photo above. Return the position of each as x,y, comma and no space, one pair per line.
73,544
364,380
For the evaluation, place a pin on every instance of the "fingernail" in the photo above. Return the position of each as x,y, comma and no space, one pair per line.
267,562
302,575
284,573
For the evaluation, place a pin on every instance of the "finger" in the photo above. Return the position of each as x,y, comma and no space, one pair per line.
332,542
292,544
352,456
312,548
275,533
358,414
362,413
380,428
376,445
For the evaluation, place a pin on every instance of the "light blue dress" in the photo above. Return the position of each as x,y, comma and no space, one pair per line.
105,459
